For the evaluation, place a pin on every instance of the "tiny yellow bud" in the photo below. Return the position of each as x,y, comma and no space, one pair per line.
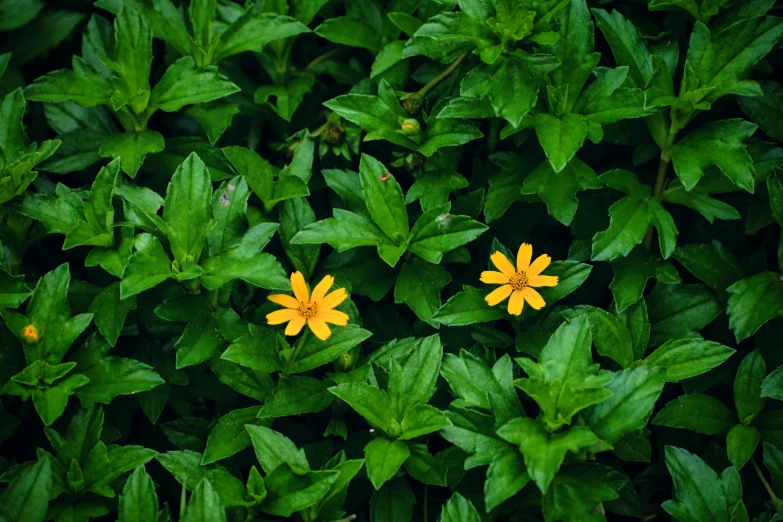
410,126
31,334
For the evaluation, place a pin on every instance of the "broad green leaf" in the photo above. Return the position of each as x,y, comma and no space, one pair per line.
13,290
699,493
109,312
296,395
368,401
680,311
773,461
438,231
147,267
187,211
632,272
132,148
413,382
765,110
383,457
506,475
748,387
468,307
422,419
214,119
290,491
558,190
285,99
106,464
185,84
384,199
712,263
274,449
229,435
610,336
753,302
185,466
393,502
580,494
419,286
246,262
686,358
204,505
627,45
251,32
95,227
138,501
256,350
26,498
132,62
741,443
352,31
696,412
313,352
459,509
634,393
87,90
720,144
773,385
561,137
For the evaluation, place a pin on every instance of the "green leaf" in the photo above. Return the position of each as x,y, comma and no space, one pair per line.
132,62
712,263
95,228
384,199
138,501
419,286
393,502
468,307
765,110
185,84
246,262
229,435
720,144
352,31
313,352
627,45
251,32
414,382
187,211
383,457
773,385
459,509
741,443
104,465
686,358
581,494
256,350
610,336
368,401
214,119
49,312
632,272
634,392
560,137
185,467
437,232
13,290
773,461
680,311
699,493
87,89
204,505
273,449
109,312
505,477
748,387
696,412
290,492
558,190
131,148
296,395
285,99
753,302
147,267
27,496
422,419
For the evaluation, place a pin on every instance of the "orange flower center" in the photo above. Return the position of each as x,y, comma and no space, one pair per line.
308,309
518,281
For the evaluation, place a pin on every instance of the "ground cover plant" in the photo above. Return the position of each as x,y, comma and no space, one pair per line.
391,261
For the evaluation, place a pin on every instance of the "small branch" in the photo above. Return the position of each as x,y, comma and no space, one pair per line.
324,57
663,167
435,81
426,497
775,500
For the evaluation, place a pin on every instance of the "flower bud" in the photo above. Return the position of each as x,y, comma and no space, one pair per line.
30,334
410,127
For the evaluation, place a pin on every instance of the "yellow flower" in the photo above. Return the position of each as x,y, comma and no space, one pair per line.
316,310
518,282
31,334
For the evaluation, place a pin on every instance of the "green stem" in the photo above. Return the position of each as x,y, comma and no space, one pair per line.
439,78
660,180
426,498
324,57
775,500
494,134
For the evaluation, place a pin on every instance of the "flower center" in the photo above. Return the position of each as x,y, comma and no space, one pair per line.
518,281
308,309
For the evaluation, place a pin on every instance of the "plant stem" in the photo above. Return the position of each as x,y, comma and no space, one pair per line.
494,134
324,57
426,498
663,167
775,500
435,81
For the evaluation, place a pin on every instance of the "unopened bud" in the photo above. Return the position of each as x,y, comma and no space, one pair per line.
410,127
31,334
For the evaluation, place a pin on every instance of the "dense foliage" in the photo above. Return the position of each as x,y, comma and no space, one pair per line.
455,260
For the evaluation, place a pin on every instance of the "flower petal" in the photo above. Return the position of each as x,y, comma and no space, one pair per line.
516,303
498,294
503,264
539,265
321,288
333,299
523,257
533,298
296,325
494,278
333,316
281,316
319,328
542,280
284,300
300,287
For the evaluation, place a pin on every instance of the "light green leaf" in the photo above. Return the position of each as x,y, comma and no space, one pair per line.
204,505
560,137
383,457
686,358
753,302
185,84
131,148
558,190
26,497
384,199
138,501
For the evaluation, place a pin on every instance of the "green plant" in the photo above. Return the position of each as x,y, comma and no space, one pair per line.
275,260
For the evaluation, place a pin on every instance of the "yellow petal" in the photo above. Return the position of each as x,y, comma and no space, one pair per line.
333,316
295,326
498,294
281,316
321,288
494,278
284,300
319,328
542,280
523,257
300,287
503,264
533,298
333,299
538,266
516,303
